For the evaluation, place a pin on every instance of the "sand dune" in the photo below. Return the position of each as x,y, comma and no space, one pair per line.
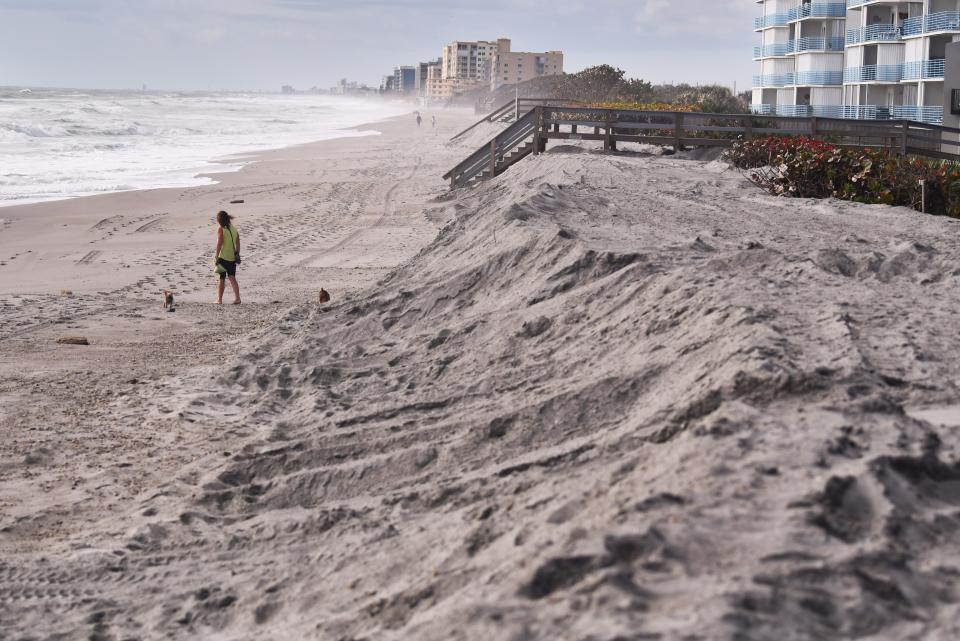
615,397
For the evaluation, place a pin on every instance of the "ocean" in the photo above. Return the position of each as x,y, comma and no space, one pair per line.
57,144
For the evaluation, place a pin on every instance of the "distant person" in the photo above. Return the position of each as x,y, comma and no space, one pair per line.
227,256
433,121
419,119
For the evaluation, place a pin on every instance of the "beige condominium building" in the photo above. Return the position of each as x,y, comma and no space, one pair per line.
507,67
465,60
468,64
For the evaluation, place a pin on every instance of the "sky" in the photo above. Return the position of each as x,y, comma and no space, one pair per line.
263,44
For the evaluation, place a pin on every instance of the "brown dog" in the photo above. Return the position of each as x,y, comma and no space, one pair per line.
323,297
168,300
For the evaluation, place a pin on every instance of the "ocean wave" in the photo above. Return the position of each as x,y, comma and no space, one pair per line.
60,143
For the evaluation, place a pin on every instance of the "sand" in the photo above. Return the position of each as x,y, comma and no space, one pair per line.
601,397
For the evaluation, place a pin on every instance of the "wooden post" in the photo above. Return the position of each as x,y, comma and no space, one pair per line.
813,127
748,128
541,122
677,131
493,158
537,124
904,142
607,140
573,129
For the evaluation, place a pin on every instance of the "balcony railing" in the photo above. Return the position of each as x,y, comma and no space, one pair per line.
817,78
819,10
865,112
875,32
772,20
799,46
804,111
932,115
939,21
818,44
794,111
813,10
800,78
873,73
923,69
773,80
776,49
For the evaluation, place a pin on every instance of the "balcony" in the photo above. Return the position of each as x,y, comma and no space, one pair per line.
931,115
805,111
772,20
818,44
873,73
875,33
763,110
773,80
800,45
865,112
773,50
933,23
923,70
814,10
799,78
817,78
819,10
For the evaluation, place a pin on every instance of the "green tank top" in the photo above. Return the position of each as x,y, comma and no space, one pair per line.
228,248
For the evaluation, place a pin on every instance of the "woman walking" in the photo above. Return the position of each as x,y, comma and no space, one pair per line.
227,256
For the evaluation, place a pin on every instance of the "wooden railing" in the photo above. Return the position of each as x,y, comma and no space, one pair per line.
521,106
493,157
684,129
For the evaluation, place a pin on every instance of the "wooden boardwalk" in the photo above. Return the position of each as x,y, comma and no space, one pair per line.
564,120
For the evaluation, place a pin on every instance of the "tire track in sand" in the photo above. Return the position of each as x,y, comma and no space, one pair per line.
389,207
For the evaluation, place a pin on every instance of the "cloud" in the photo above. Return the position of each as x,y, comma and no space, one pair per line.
255,43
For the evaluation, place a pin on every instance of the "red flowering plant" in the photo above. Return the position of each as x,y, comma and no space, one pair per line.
807,168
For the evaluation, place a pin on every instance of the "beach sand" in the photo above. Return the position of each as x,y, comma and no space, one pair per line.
602,396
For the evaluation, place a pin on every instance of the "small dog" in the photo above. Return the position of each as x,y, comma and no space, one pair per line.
168,300
323,297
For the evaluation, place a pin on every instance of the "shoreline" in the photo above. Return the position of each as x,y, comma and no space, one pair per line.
239,159
337,213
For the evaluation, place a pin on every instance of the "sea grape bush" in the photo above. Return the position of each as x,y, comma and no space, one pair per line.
646,106
807,168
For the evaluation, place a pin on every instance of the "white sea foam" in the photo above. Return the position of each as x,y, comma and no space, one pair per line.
63,144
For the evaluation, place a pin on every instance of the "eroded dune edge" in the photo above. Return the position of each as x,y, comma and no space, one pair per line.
616,398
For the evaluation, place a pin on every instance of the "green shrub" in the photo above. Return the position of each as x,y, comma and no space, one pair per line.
807,168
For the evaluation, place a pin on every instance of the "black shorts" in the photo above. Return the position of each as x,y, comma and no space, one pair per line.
228,265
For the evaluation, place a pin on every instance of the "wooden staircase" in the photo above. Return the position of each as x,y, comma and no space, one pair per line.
510,146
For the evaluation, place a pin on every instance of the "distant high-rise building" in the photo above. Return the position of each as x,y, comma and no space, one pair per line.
423,70
405,79
465,59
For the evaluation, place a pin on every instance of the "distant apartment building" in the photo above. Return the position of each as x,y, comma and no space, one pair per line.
465,60
423,71
868,59
405,80
507,67
490,64
437,90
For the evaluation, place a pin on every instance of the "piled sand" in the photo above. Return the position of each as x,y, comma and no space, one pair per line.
615,398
